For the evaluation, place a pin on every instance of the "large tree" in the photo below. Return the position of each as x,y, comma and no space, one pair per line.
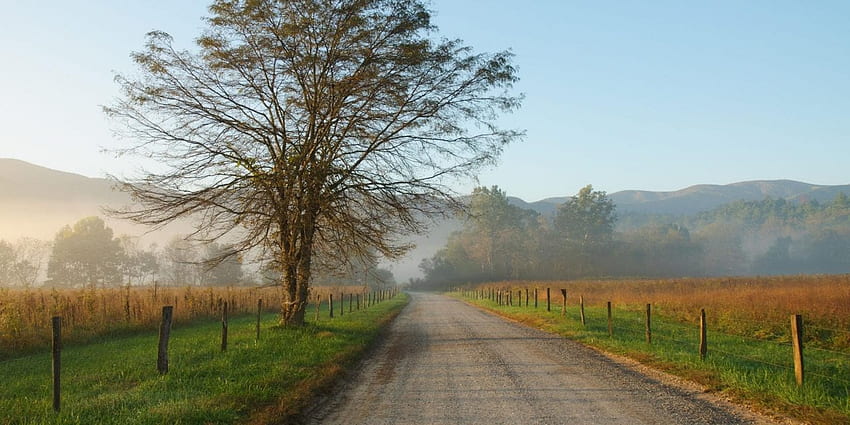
85,255
310,126
584,226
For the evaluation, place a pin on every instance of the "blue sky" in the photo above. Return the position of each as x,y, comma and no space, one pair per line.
623,95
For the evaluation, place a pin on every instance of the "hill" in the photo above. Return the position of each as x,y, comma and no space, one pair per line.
37,201
703,197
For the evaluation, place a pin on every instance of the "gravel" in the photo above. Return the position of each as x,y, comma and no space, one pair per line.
445,362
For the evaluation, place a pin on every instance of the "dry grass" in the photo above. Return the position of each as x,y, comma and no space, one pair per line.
92,313
753,306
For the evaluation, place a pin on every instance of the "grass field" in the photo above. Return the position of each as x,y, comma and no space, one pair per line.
749,353
91,313
115,381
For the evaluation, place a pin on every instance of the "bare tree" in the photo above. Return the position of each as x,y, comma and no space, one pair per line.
308,126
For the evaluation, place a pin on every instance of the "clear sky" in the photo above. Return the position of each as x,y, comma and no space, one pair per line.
654,95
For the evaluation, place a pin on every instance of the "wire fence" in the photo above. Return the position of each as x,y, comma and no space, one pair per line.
760,353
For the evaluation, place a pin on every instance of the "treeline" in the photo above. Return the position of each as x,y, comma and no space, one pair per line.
585,238
88,254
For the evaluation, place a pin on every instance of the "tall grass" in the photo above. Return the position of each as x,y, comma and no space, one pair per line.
91,313
749,332
753,306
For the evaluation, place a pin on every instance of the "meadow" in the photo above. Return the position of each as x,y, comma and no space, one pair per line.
749,354
113,379
91,313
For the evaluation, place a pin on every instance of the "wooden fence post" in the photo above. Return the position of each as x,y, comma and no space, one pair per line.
350,303
318,305
331,305
526,297
564,306
649,323
581,304
259,315
341,304
535,298
548,300
57,360
164,334
610,321
224,327
703,340
797,344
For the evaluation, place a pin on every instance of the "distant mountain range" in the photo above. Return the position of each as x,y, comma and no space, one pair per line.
37,201
702,197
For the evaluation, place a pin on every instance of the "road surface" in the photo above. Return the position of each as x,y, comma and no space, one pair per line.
445,362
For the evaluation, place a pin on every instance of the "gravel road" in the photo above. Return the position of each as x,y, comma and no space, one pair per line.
444,362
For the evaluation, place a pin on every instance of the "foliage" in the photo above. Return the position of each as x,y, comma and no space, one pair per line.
86,254
310,126
582,239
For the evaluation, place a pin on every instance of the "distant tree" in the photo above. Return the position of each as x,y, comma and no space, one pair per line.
221,267
139,266
311,125
85,255
584,226
7,263
180,263
31,255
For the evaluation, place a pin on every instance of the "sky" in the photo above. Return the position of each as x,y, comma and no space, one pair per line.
648,95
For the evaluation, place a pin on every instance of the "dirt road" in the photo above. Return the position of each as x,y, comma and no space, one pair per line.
445,362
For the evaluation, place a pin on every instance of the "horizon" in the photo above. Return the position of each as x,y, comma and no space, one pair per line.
509,194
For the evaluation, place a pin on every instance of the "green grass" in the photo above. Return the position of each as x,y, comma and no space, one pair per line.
115,381
746,368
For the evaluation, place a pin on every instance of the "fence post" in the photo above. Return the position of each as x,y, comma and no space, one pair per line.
318,305
649,323
526,297
535,298
350,303
341,304
564,306
797,344
581,304
164,334
224,327
610,321
548,300
703,341
57,360
331,305
259,315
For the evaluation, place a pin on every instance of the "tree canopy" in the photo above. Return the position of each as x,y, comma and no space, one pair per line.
85,255
310,126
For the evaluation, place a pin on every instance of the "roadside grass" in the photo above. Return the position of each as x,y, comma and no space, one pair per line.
749,370
115,381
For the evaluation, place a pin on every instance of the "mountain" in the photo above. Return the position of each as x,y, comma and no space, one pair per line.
36,202
706,197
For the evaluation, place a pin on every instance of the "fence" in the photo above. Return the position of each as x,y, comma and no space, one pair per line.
794,352
223,307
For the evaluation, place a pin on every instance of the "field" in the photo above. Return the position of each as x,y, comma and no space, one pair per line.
88,314
749,353
113,379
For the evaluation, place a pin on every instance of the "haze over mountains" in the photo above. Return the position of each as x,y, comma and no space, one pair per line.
37,201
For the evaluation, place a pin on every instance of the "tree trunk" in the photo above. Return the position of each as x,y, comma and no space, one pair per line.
296,275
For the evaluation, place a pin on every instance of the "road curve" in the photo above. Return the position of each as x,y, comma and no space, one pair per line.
445,362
